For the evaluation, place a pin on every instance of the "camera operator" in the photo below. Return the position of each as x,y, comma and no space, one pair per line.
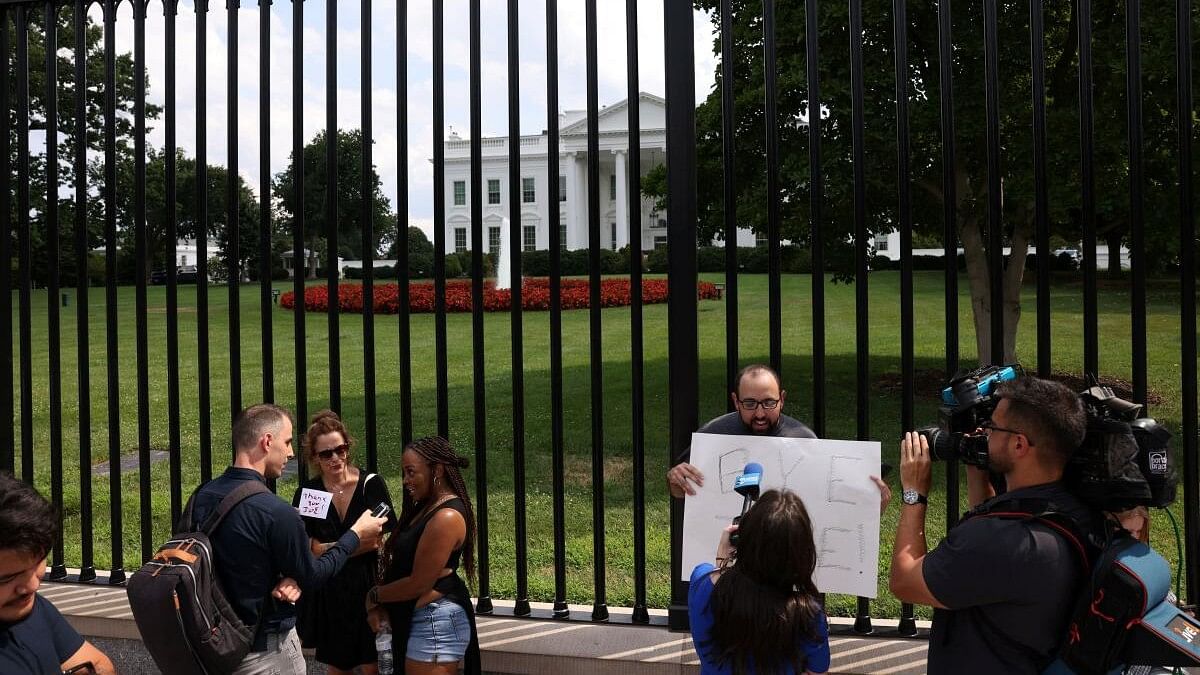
1002,588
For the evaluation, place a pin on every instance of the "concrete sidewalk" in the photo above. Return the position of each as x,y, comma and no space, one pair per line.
518,645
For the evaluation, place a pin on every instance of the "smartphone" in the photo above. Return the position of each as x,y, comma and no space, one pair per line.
381,510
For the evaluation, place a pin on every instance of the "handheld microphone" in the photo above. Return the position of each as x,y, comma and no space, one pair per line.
749,486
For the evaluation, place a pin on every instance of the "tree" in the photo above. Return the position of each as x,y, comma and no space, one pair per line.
349,198
125,91
420,253
970,170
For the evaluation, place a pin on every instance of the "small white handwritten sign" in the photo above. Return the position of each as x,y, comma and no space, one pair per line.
315,503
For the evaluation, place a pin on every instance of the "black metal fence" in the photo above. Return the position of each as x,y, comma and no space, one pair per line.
821,227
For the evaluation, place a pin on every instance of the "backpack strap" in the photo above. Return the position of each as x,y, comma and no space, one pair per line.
239,494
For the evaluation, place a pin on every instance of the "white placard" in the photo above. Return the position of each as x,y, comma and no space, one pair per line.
833,479
315,503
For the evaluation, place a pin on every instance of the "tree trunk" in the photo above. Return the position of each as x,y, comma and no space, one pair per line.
1113,237
1013,277
977,276
311,260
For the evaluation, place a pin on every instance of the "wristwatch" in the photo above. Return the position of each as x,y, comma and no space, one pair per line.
912,497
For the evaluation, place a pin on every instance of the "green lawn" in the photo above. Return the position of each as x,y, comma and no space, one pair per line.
1164,355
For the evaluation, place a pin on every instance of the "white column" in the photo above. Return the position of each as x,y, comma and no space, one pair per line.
622,200
579,206
572,184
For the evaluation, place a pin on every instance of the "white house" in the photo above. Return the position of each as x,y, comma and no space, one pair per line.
572,182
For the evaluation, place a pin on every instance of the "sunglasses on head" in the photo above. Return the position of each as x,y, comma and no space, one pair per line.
339,450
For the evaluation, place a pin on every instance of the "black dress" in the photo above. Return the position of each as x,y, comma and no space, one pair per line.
333,619
451,586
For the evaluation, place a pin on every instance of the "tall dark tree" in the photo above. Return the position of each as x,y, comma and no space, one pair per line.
349,198
65,94
420,253
970,170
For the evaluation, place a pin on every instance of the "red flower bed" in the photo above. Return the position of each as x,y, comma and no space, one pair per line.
535,295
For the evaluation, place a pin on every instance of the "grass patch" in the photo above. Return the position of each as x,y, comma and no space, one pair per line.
884,397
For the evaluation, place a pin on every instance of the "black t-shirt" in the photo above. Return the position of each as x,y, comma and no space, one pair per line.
40,643
731,424
1009,585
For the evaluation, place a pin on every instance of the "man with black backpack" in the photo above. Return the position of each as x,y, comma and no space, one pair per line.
262,542
1003,587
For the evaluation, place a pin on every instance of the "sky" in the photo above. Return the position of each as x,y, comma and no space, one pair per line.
385,104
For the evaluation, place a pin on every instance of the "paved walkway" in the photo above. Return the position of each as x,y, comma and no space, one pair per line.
533,645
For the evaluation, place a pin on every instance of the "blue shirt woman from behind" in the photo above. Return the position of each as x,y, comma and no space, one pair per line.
757,610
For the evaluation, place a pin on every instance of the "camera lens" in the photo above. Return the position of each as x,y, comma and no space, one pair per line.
941,442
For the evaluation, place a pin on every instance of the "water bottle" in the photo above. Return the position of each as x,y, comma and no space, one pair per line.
383,646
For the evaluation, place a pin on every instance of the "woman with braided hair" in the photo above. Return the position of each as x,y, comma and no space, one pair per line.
420,592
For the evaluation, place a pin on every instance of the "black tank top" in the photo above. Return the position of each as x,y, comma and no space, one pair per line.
404,549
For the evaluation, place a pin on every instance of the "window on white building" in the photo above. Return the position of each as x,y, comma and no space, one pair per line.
494,241
562,236
460,193
612,188
881,243
460,240
562,188
183,260
614,236
493,190
660,241
529,234
528,190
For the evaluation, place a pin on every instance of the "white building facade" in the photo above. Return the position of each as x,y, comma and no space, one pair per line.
572,182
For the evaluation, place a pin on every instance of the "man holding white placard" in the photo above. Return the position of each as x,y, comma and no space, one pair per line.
758,397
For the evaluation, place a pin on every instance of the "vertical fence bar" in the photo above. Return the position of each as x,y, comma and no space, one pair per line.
367,192
556,392
117,573
402,274
141,250
300,255
1041,198
267,325
233,216
774,282
600,604
204,400
87,568
8,460
729,202
1137,238
1091,338
331,207
634,108
815,195
683,348
1187,291
24,243
441,365
53,317
862,336
995,213
515,244
476,197
907,624
170,8
949,222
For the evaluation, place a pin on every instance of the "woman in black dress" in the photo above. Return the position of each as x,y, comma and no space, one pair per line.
421,595
332,619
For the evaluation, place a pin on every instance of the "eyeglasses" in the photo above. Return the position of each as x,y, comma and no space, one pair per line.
339,450
988,426
753,403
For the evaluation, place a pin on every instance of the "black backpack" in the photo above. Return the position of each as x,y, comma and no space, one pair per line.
186,622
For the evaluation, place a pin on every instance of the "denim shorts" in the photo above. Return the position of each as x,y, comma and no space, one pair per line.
440,633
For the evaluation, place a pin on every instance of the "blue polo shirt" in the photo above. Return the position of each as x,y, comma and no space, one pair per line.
261,541
39,643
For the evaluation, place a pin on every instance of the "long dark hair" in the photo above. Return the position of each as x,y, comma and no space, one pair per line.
436,451
764,603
